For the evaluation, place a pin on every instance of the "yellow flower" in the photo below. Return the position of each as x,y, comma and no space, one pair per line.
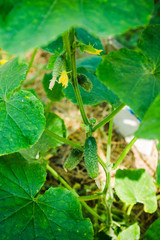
3,61
94,51
64,78
90,49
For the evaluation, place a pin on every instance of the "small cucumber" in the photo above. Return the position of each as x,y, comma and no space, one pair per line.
84,82
74,158
57,66
91,157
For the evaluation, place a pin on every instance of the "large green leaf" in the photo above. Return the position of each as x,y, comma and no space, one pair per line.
134,186
21,120
130,38
135,75
158,174
28,24
149,46
99,92
90,63
56,125
155,19
150,127
25,215
131,233
153,232
12,74
55,46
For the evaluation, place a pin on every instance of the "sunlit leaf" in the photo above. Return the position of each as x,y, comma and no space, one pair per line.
133,186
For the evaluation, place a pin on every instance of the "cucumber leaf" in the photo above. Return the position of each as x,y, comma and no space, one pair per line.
135,75
99,92
131,233
22,116
29,215
12,74
153,232
90,63
150,127
56,125
158,174
134,186
29,24
55,46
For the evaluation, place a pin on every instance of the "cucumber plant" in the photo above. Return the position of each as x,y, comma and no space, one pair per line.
28,129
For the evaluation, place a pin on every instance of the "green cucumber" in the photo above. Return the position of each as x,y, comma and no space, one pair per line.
84,82
91,157
74,158
57,66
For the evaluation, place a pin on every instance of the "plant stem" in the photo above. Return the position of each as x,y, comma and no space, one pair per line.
108,157
91,197
108,180
31,60
56,175
64,140
108,118
129,209
66,42
108,195
90,210
74,79
103,164
124,153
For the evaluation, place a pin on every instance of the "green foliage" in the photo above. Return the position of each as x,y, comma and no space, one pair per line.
74,158
131,233
91,157
158,174
150,49
150,127
56,94
56,125
45,21
90,63
155,19
26,214
81,34
130,38
153,232
87,38
134,186
21,120
12,74
134,74
99,92
55,46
